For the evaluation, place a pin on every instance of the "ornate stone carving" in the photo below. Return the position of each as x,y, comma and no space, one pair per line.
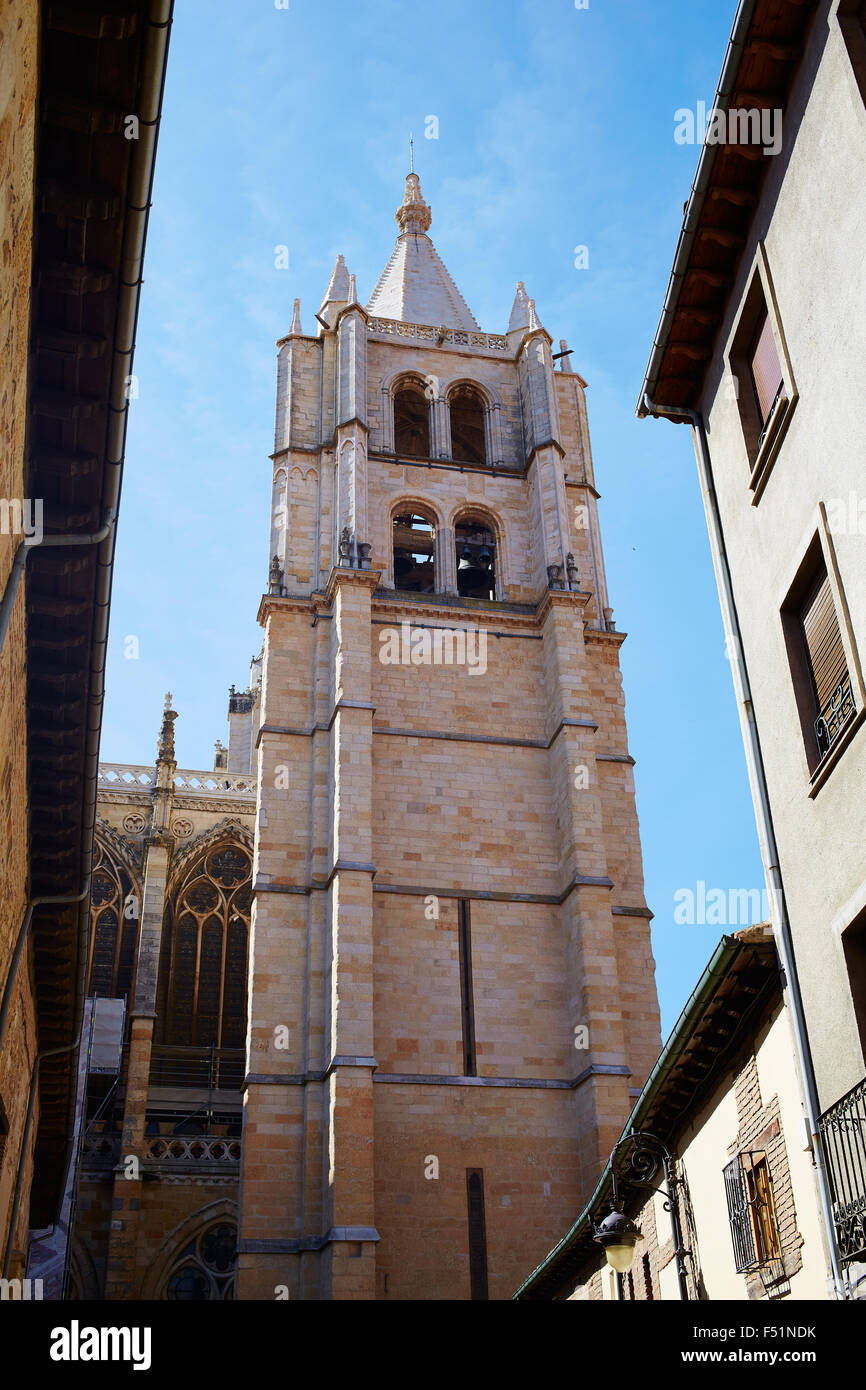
165,746
181,827
135,823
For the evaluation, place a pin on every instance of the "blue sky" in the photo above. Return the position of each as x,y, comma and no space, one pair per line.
290,127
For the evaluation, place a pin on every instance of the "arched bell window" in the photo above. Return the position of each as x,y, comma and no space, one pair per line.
466,406
203,961
476,560
411,421
414,553
204,1270
114,921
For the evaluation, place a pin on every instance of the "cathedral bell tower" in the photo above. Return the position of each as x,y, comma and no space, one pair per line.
451,1001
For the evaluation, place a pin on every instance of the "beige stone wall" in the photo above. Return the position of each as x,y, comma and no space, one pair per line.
384,790
19,22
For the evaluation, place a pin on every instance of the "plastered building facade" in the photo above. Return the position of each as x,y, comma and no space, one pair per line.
758,350
451,996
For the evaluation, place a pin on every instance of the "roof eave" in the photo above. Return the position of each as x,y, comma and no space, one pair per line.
694,206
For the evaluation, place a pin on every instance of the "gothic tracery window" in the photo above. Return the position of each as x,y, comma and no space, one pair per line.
204,1270
114,921
203,966
411,420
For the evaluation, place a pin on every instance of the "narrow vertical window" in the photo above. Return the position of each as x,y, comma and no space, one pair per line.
648,1279
766,371
477,1234
751,1211
411,421
476,560
467,1003
828,668
854,947
822,681
467,425
761,374
414,553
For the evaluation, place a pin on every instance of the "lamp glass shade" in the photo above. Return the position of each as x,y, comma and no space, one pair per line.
620,1257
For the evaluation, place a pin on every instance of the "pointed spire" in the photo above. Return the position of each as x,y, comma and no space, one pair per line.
519,309
165,745
413,214
338,285
353,290
415,286
534,320
296,318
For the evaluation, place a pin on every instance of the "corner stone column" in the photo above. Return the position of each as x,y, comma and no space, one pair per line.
349,1258
602,1098
120,1278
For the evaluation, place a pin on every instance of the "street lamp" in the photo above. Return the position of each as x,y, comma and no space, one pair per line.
617,1234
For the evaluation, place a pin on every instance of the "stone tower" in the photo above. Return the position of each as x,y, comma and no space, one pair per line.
451,983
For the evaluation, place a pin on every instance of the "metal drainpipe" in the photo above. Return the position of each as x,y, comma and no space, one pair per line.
20,560
138,201
763,812
8,988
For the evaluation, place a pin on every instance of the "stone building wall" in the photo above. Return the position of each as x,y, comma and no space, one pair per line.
19,24
448,883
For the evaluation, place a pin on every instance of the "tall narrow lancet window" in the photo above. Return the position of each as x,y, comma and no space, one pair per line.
467,425
476,560
414,553
114,918
203,964
411,421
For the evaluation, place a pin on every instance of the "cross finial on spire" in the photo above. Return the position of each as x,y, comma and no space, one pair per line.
168,700
411,154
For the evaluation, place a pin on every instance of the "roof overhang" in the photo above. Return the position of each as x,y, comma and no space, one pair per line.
100,63
764,52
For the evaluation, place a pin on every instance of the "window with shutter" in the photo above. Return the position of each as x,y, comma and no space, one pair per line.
760,369
742,1234
751,1211
765,368
828,667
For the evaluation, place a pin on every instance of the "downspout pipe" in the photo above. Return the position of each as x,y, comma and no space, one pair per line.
763,812
20,560
9,987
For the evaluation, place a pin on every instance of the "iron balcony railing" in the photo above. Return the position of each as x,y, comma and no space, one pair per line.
202,1068
843,1134
100,1151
